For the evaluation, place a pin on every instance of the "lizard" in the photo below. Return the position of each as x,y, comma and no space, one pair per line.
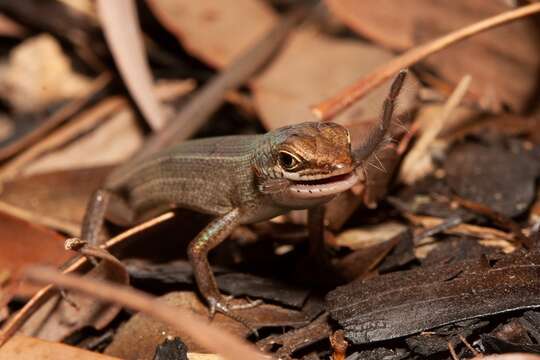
239,179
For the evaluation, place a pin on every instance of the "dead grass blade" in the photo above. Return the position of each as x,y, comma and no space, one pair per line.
327,109
209,336
123,34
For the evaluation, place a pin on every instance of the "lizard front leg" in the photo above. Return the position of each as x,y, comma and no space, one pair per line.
210,237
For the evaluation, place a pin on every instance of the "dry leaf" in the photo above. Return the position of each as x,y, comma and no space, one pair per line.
111,142
313,67
128,52
28,348
500,73
38,74
56,199
365,237
215,31
23,244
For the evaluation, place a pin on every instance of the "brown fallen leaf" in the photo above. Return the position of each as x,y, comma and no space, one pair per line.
22,347
23,244
56,199
118,138
30,80
214,31
500,76
368,236
313,66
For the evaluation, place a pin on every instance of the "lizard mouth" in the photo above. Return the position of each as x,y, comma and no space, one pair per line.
323,187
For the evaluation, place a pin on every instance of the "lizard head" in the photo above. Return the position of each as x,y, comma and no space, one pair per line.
306,163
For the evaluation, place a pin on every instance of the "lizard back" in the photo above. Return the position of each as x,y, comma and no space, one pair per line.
211,175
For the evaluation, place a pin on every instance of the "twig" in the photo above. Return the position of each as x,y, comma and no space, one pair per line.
44,294
409,170
339,345
206,335
333,106
469,346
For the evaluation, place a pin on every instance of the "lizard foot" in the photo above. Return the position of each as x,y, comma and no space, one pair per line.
227,305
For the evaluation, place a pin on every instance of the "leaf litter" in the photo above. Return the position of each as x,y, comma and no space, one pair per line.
442,262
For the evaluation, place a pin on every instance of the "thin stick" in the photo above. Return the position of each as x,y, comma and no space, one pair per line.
206,335
469,346
333,106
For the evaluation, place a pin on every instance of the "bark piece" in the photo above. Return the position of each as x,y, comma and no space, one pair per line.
493,176
407,302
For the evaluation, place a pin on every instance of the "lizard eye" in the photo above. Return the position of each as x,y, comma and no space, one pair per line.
288,161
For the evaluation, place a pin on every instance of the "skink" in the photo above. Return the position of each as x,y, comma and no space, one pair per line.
239,180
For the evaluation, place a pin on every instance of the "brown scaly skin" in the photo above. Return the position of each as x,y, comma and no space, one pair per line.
238,179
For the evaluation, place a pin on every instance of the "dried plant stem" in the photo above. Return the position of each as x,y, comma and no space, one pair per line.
210,337
333,106
410,169
44,294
